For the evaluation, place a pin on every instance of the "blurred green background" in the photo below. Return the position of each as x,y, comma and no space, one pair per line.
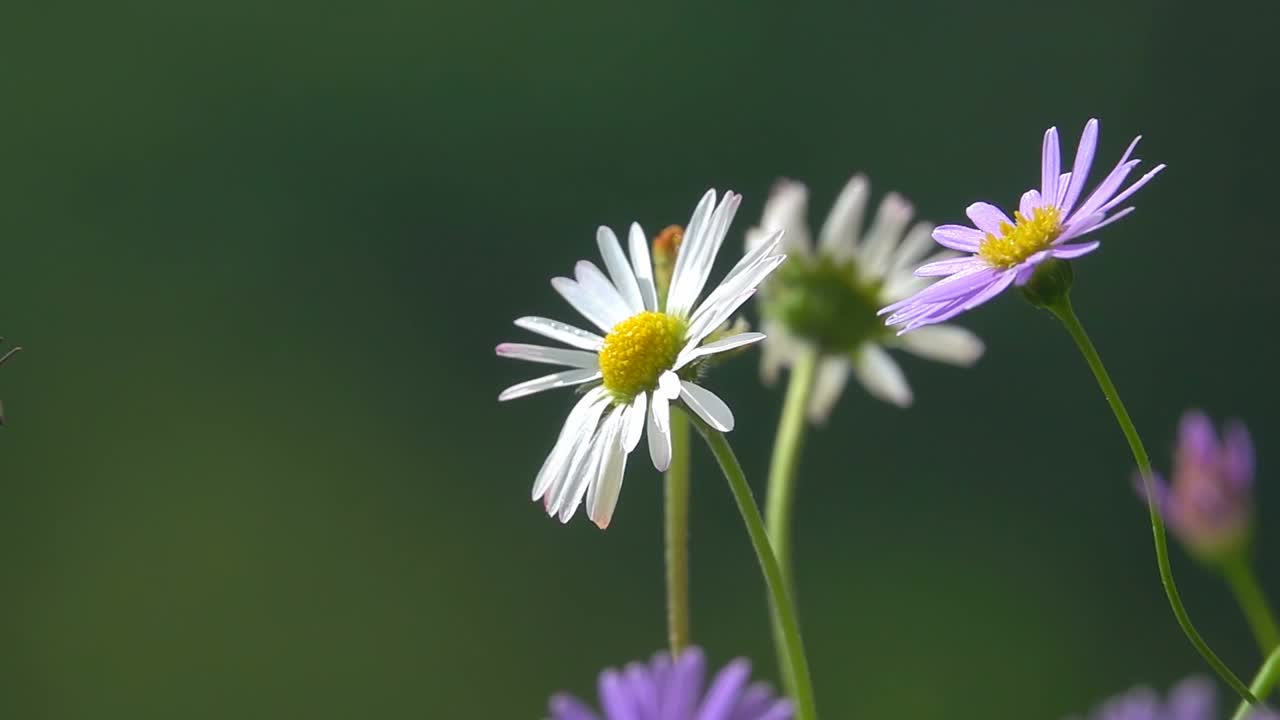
259,255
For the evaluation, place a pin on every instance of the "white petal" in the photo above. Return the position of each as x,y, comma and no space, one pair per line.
580,425
643,266
729,343
565,333
694,234
549,355
717,229
881,376
593,281
668,385
749,272
778,349
753,238
736,285
564,378
833,374
624,279
587,305
686,288
659,432
715,317
901,285
917,242
584,481
607,487
840,233
725,311
633,423
885,233
606,436
944,343
765,248
571,450
719,346
610,437
707,405
573,473
787,209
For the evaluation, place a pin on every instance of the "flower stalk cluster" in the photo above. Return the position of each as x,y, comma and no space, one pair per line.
833,311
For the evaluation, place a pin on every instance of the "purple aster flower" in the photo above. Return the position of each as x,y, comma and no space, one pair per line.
1047,225
1209,504
667,690
1191,699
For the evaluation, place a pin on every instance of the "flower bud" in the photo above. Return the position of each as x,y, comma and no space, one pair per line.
1209,502
666,246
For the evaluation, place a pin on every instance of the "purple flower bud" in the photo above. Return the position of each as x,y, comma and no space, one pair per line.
1209,503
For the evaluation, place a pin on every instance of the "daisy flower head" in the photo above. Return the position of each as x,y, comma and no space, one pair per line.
826,297
667,689
647,355
1004,251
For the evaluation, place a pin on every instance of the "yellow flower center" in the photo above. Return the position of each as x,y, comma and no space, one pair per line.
638,350
1026,237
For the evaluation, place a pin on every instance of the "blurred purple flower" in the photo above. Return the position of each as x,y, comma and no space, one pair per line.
1209,504
1006,251
1191,699
666,690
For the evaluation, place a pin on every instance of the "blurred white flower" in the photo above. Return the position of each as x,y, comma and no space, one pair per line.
825,298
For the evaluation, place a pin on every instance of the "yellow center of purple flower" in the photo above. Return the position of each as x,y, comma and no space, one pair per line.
1026,237
638,350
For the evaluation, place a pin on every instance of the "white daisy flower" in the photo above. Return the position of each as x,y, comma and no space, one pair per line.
827,297
645,360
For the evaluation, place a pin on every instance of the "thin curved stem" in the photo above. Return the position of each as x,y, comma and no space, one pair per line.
797,664
1238,570
1063,310
781,489
677,536
1262,683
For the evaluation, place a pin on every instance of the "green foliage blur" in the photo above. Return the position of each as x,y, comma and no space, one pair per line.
259,255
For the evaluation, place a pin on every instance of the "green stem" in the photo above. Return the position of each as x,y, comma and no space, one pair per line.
1063,310
677,536
797,664
786,458
1262,683
1244,583
782,477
